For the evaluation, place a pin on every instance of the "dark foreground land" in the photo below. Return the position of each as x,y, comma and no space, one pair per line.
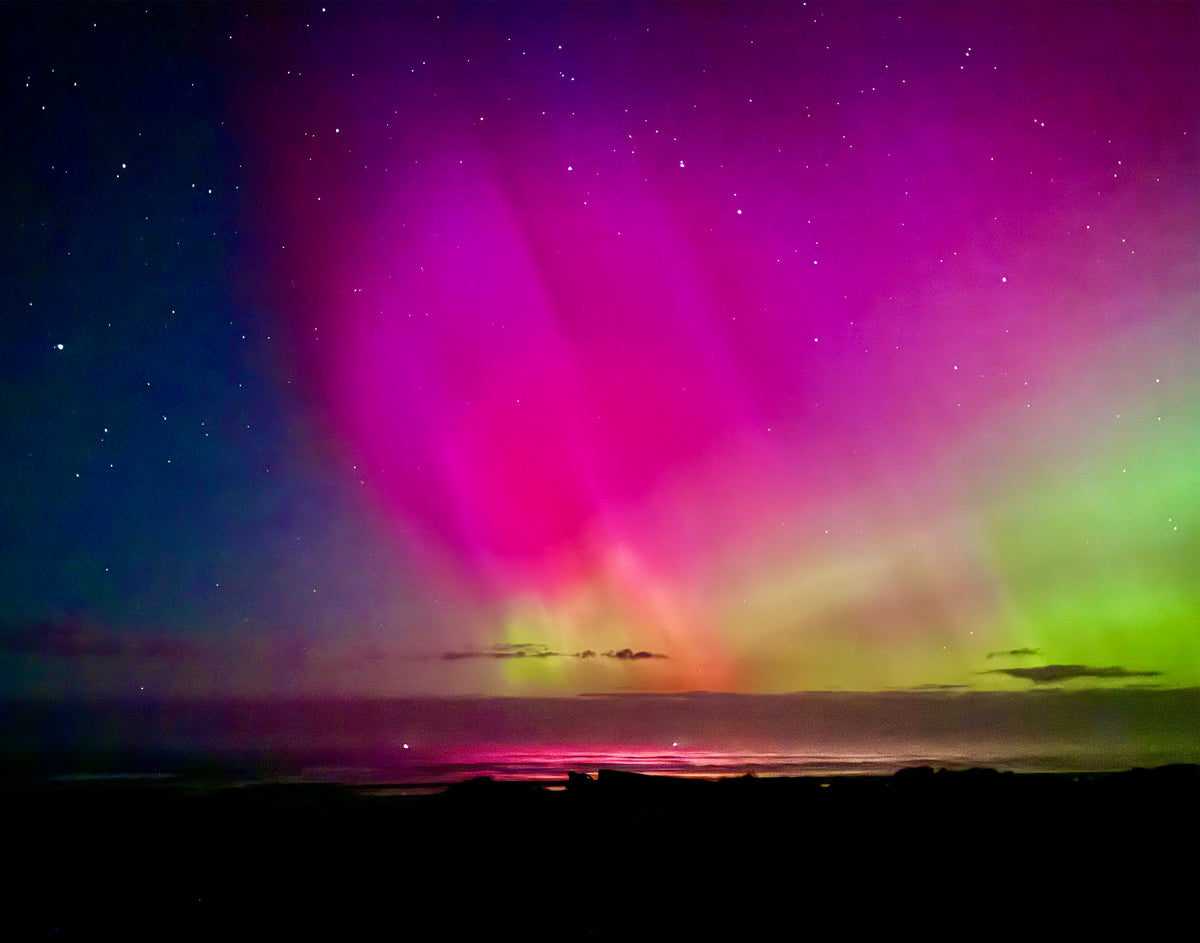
966,854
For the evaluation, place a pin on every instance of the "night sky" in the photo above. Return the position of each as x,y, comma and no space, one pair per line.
540,349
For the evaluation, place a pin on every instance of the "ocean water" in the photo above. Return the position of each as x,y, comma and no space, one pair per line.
430,741
552,765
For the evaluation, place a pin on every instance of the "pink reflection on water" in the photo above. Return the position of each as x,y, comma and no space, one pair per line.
545,762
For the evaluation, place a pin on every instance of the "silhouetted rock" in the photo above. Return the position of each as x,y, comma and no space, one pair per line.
1120,851
914,776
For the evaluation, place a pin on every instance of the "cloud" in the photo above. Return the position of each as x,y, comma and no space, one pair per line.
75,638
535,650
1048,674
1015,652
506,650
632,655
939,687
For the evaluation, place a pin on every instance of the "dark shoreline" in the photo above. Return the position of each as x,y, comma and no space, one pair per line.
623,855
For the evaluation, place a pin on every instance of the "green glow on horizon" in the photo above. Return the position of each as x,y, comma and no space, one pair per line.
1101,565
1069,525
1075,531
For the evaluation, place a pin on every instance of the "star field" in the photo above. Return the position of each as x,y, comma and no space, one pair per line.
807,346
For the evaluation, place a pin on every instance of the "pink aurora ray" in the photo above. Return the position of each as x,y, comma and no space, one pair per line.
600,342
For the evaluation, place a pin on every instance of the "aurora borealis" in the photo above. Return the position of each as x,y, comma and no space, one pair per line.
415,350
830,350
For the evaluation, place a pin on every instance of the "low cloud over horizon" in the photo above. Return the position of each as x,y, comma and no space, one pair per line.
68,650
535,650
72,637
1015,652
1048,674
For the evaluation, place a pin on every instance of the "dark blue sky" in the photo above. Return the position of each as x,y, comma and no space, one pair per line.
151,444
